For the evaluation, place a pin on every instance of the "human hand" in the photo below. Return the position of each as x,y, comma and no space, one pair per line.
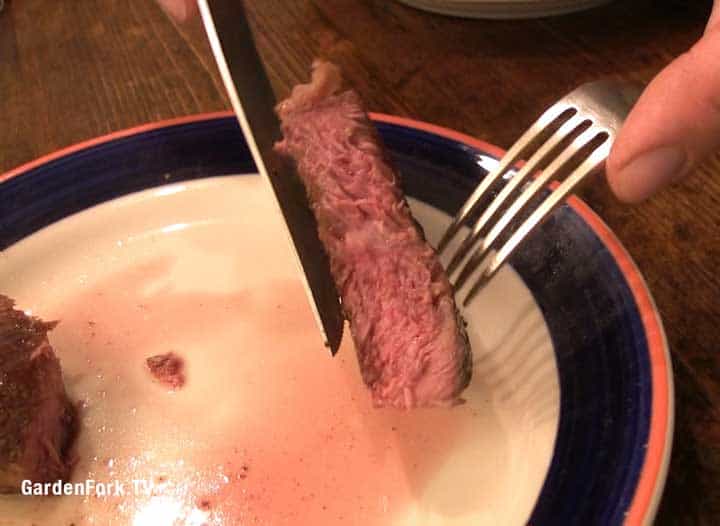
180,10
675,123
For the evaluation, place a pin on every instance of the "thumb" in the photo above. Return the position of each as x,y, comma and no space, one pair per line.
180,10
675,123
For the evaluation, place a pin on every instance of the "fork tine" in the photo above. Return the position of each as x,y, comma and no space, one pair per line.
519,178
592,163
517,206
508,160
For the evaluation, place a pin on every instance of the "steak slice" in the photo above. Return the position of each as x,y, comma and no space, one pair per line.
410,339
36,417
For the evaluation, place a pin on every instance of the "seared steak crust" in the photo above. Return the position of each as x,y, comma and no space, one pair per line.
36,417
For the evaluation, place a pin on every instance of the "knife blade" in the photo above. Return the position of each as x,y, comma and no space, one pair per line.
253,101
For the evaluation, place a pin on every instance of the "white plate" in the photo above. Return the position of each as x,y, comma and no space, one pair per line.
503,8
269,429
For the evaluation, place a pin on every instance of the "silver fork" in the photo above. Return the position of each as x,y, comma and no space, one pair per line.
571,139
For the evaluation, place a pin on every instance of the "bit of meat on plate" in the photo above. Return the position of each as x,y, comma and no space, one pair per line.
168,369
410,339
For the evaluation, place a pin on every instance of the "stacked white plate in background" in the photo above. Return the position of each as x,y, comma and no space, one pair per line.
503,8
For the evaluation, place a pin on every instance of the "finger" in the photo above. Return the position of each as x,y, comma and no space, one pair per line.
714,17
674,125
180,10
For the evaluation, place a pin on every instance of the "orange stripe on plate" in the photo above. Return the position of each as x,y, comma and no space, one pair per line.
110,137
646,498
652,477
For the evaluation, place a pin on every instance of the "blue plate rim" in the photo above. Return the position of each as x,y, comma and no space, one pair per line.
649,489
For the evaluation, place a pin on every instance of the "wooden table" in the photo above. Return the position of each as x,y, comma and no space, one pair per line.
70,71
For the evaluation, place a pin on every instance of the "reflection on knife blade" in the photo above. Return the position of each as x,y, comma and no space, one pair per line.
252,98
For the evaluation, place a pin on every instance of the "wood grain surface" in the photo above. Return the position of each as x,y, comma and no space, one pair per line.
73,70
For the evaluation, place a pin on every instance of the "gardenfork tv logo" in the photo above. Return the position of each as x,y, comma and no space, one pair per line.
90,487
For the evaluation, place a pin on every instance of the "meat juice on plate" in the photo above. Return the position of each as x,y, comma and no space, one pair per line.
267,428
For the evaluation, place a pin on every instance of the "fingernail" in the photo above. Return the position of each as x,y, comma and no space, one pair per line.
649,172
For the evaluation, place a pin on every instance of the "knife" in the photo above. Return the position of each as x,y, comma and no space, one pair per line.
254,103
